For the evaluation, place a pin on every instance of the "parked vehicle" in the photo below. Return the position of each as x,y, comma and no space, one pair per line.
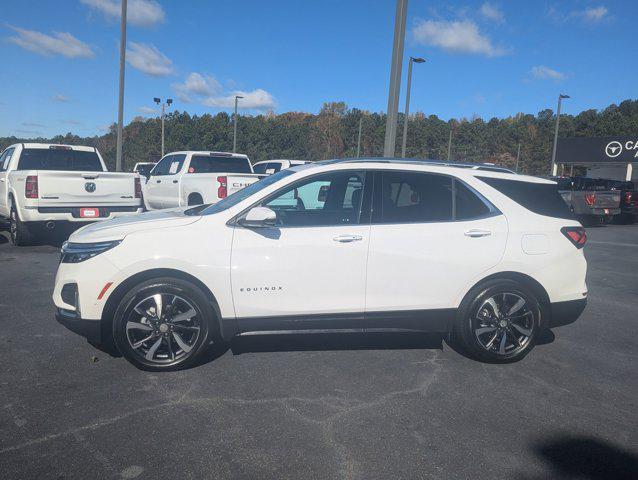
269,167
45,184
589,199
333,245
628,200
144,168
194,178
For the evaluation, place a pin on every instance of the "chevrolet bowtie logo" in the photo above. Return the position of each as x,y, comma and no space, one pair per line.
613,149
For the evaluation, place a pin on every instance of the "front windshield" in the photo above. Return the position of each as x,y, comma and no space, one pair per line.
244,193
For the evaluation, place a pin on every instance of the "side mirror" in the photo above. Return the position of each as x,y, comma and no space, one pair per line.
259,217
323,193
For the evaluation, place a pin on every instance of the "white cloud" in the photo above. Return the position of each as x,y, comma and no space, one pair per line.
197,84
142,13
257,99
594,14
60,43
58,97
460,36
148,110
148,59
492,12
545,73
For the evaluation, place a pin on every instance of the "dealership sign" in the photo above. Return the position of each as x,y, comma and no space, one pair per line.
584,150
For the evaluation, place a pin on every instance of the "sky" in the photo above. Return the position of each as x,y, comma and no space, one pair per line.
483,58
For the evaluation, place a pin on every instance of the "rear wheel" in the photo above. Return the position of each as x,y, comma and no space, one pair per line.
499,321
164,324
20,233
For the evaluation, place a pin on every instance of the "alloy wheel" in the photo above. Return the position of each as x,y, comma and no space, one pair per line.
163,328
504,324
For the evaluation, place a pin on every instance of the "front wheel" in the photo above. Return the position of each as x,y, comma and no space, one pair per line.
499,321
164,324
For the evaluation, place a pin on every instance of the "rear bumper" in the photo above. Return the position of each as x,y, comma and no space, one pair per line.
564,313
89,329
72,214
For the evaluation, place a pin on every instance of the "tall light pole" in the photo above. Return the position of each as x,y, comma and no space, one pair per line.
359,137
554,170
407,102
237,97
120,103
395,78
164,105
518,156
449,145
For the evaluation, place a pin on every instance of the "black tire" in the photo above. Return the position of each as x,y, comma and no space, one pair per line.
20,233
169,354
195,199
521,328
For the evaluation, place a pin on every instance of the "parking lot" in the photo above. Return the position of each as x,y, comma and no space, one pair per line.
325,406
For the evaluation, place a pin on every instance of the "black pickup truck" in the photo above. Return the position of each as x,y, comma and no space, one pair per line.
590,199
628,200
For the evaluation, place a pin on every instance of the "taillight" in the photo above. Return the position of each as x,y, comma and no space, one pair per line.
576,235
628,197
138,188
222,191
31,187
590,199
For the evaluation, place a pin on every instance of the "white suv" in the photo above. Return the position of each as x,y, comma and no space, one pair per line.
367,244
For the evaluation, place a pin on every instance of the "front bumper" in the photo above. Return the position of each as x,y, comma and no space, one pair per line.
564,313
89,329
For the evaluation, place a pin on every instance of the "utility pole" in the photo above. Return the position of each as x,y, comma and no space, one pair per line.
359,137
164,105
120,103
237,97
407,103
554,169
395,78
449,145
518,156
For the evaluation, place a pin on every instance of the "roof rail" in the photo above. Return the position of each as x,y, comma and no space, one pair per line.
412,161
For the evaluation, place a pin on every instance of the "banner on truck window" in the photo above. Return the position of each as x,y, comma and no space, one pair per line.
584,150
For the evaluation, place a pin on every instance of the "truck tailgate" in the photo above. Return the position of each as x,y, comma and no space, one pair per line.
86,188
237,181
607,199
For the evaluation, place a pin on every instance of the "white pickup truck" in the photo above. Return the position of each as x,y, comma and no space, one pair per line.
44,184
193,178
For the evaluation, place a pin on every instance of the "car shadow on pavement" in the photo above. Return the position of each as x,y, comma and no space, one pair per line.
290,342
586,458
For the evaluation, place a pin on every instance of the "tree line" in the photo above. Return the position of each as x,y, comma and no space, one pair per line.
333,133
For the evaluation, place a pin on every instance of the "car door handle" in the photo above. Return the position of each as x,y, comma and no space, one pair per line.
478,233
347,238
175,181
158,181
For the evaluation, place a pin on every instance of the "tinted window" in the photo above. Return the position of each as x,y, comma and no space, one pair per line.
541,198
169,165
5,159
470,205
409,197
261,168
213,164
59,159
328,199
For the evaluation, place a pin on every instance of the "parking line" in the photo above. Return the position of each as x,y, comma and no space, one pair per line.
614,244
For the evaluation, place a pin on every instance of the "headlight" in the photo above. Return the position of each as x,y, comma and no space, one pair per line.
78,252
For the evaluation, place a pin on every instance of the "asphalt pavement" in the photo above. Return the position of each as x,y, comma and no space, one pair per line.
351,406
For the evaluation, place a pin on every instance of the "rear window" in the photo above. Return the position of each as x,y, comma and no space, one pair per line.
59,159
540,198
213,164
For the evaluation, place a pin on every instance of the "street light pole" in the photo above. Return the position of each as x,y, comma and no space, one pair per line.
237,97
359,137
554,170
518,156
407,103
395,78
164,105
120,102
449,145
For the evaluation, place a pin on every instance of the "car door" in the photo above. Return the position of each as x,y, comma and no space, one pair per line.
311,265
431,235
153,191
4,173
170,187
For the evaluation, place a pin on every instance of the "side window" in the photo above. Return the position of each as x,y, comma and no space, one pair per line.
5,159
273,167
261,168
163,165
468,204
412,197
328,199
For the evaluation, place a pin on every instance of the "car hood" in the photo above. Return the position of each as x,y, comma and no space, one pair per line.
118,228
